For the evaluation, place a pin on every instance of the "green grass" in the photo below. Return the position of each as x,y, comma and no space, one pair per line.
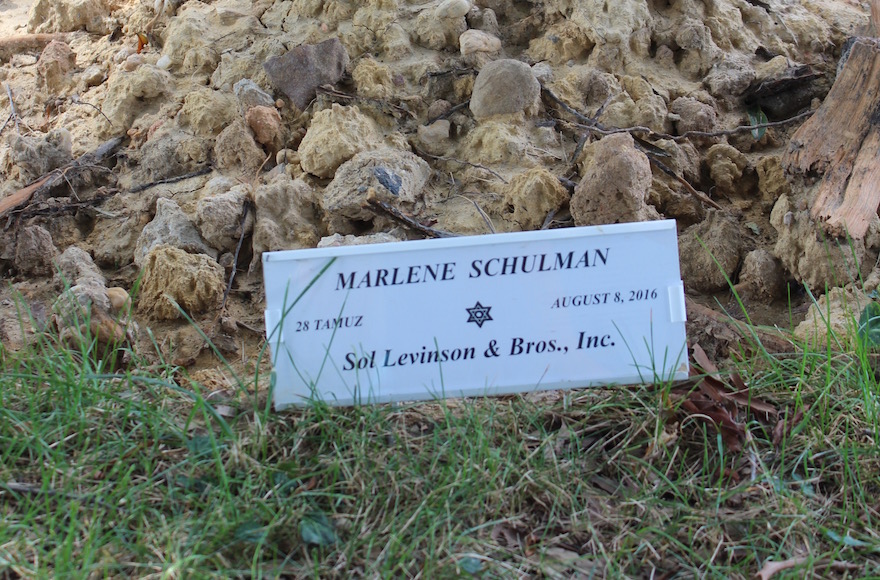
137,474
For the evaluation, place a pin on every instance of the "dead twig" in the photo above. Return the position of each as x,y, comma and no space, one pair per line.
378,206
688,134
461,161
334,93
69,207
77,101
201,171
482,214
244,215
568,108
56,176
690,188
13,113
448,113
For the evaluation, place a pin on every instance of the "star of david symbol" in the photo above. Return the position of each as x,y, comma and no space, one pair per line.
479,314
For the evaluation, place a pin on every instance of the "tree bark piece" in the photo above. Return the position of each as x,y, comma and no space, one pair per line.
841,142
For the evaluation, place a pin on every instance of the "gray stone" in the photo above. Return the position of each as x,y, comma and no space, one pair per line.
285,216
236,149
405,173
693,115
251,95
730,78
77,265
39,154
505,86
762,277
172,227
302,70
219,218
710,252
34,251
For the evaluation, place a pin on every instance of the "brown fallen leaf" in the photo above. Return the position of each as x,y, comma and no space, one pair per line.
732,433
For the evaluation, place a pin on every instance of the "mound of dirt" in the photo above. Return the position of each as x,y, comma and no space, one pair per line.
250,127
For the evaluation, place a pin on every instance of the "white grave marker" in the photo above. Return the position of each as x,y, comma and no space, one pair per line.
479,315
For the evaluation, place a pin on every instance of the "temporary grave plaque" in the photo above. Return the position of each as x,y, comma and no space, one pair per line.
479,315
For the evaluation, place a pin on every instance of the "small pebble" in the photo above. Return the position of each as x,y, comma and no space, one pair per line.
132,62
120,301
164,62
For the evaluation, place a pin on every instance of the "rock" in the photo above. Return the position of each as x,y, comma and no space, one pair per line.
762,277
265,122
698,51
496,141
197,30
130,93
219,218
170,151
452,8
164,62
530,196
93,76
716,239
35,252
88,316
206,111
194,281
373,79
472,41
396,177
730,78
75,264
543,72
833,318
249,94
335,136
120,301
302,70
133,61
693,115
726,166
338,240
73,306
436,32
54,66
615,183
438,107
285,216
435,137
170,227
236,149
812,257
70,15
37,155
505,86
772,182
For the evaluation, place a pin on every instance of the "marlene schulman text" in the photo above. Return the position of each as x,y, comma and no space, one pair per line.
445,271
